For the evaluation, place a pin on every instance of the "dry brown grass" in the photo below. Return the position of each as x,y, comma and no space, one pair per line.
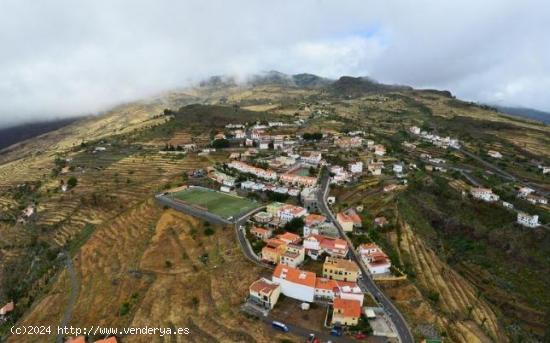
460,311
188,293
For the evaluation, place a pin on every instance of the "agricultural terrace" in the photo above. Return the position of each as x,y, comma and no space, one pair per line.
218,203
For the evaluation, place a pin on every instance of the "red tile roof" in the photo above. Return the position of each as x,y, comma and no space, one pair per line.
289,237
348,308
324,283
295,275
311,219
260,230
262,286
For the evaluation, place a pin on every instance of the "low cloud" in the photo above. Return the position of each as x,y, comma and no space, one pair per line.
63,58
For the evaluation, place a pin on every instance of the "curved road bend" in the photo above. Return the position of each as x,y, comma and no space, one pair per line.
399,323
245,245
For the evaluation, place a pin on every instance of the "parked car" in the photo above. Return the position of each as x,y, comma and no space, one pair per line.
312,338
279,326
336,331
361,336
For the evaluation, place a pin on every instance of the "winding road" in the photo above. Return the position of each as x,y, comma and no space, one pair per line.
366,282
72,296
503,173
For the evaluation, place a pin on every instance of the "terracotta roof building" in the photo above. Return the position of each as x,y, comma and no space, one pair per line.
346,312
264,293
295,283
340,269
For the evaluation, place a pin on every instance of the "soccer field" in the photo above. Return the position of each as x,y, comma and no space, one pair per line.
218,203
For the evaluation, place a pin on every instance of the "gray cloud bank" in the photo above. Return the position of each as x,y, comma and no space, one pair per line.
61,58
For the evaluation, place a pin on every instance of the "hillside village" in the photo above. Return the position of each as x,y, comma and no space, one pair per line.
310,255
339,225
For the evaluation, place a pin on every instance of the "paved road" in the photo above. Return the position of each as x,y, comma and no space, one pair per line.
72,297
303,332
243,242
503,173
366,282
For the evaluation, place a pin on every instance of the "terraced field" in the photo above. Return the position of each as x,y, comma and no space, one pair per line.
459,309
155,267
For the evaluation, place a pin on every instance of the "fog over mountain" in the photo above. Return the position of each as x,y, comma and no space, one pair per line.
62,58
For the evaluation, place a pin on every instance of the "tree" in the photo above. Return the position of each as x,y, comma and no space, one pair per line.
295,225
220,143
312,136
72,182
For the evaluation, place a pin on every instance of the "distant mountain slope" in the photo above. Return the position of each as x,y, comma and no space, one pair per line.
526,113
15,134
356,86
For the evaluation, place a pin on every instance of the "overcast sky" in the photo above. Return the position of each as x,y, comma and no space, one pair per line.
62,58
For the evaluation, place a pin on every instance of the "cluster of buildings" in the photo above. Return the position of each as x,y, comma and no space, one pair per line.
443,142
284,248
298,180
338,284
524,219
277,214
341,175
250,169
348,142
262,187
529,195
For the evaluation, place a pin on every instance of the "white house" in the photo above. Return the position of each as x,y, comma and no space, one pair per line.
312,158
375,259
295,283
356,167
507,205
536,199
494,154
415,130
289,212
225,189
239,134
528,220
397,168
485,194
264,145
525,191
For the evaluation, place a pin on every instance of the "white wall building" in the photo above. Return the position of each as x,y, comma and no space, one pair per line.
528,220
356,167
485,194
295,283
289,212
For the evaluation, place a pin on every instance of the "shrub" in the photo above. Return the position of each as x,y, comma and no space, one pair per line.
72,182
